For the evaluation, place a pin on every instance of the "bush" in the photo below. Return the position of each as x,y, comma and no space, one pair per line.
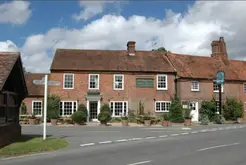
132,116
208,108
23,109
187,114
176,111
124,118
53,107
232,109
105,108
204,119
147,117
165,116
115,120
105,114
79,117
83,108
219,119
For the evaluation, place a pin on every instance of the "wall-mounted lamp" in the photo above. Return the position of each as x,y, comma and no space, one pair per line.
154,99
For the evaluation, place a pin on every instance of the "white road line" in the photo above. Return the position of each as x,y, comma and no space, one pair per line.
22,156
174,134
204,130
221,128
136,138
122,140
163,136
144,162
88,144
225,145
152,137
105,142
194,132
241,126
185,133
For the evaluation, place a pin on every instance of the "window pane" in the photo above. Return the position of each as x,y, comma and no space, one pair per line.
68,81
37,108
161,81
119,108
93,81
67,108
118,84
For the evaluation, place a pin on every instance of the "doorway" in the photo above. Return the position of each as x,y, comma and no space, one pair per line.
93,110
194,111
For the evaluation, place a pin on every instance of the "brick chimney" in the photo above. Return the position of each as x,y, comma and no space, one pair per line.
131,48
219,48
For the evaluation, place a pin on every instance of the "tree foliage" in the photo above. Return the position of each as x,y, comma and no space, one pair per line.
176,111
53,107
161,49
23,109
209,108
232,109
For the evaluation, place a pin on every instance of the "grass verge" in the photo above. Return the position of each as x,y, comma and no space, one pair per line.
28,144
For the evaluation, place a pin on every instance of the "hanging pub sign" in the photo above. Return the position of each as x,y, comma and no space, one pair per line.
220,77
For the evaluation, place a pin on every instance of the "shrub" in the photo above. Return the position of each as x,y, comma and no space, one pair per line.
124,118
187,114
219,119
105,108
79,117
23,110
165,116
105,114
204,119
115,120
132,116
53,107
176,111
83,108
147,117
232,109
208,108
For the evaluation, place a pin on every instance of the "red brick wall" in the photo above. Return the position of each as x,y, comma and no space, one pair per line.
28,102
130,93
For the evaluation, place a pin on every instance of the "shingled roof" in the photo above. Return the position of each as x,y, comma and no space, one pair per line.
7,62
203,67
110,60
34,90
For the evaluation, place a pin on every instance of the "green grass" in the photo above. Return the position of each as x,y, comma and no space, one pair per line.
28,144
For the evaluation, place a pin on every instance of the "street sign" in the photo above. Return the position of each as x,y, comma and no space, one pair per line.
44,81
220,77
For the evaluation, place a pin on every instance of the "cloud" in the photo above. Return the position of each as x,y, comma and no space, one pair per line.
93,8
15,12
190,33
8,46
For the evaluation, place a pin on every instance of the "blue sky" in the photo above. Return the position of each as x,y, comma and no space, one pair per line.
37,28
49,14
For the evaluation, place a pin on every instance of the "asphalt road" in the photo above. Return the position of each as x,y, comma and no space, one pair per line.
217,147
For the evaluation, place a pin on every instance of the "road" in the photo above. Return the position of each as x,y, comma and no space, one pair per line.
213,147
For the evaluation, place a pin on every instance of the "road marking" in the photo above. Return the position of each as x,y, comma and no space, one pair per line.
122,140
144,162
88,144
136,138
204,130
105,142
221,128
22,156
163,136
151,137
186,128
174,134
185,133
225,145
194,132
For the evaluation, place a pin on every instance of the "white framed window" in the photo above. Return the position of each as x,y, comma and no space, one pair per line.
216,87
37,108
118,82
217,106
195,86
68,81
244,87
67,108
119,108
162,106
93,81
161,82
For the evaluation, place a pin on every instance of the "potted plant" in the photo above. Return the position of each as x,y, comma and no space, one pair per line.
187,117
165,121
32,119
147,120
105,115
79,118
124,120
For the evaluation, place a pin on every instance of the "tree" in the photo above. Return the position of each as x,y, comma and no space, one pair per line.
23,109
232,109
161,49
176,111
209,108
53,106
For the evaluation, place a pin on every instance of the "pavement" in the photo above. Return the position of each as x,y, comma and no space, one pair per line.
222,145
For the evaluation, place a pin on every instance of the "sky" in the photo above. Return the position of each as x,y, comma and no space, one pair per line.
38,28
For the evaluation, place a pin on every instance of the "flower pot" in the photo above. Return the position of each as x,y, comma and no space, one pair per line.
124,122
239,120
165,123
187,122
32,121
147,122
53,121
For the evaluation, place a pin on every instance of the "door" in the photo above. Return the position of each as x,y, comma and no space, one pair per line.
194,111
93,106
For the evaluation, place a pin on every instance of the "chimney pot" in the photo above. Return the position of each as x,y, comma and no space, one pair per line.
131,48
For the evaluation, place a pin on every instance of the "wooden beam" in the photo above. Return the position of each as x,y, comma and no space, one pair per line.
9,92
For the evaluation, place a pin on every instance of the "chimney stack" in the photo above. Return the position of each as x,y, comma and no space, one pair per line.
131,48
219,48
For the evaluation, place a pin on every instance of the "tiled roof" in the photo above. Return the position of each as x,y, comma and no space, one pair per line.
33,89
110,60
7,62
200,67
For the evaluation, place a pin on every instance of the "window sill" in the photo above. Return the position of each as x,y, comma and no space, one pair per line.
161,89
161,111
195,90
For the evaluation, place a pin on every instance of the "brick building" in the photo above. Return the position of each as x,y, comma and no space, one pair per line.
123,78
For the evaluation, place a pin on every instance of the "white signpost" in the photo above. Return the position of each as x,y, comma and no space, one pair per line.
44,81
